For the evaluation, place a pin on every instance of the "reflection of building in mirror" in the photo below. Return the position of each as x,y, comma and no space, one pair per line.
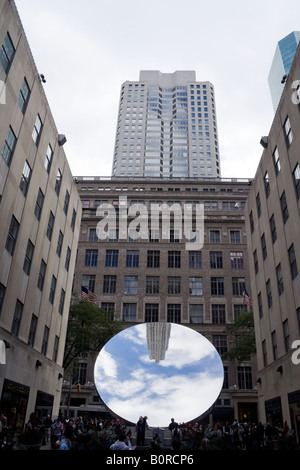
158,335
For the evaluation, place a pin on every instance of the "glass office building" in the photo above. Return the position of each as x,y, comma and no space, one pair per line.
282,61
167,127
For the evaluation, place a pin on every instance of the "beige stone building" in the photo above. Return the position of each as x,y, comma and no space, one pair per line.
40,212
156,277
273,224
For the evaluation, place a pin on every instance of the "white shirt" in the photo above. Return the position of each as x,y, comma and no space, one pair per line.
120,445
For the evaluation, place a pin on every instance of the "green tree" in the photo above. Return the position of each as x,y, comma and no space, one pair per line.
241,338
89,328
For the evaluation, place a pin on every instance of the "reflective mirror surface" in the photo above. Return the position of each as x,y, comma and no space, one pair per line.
160,370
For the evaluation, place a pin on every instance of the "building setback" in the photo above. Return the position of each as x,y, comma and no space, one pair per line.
155,278
40,217
273,225
167,127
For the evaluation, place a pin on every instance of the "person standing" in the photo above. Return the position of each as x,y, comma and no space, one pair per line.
141,427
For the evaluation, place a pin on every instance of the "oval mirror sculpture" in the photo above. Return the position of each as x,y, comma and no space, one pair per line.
160,370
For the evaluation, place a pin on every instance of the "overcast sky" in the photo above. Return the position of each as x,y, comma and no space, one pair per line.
86,50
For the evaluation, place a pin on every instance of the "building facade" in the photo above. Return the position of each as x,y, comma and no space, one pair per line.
157,273
281,64
40,212
273,224
167,127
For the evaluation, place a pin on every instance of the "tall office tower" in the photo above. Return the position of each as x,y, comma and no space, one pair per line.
282,61
167,127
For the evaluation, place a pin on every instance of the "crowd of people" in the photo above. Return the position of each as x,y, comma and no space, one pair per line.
115,434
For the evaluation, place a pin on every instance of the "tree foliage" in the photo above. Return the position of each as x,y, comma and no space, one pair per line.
241,338
89,328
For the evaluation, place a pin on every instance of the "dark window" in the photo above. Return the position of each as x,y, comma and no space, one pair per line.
109,284
16,323
220,343
238,285
273,228
37,130
263,246
151,313
129,312
52,289
68,257
269,293
284,207
66,202
244,377
174,259
45,341
195,286
258,205
12,235
59,243
235,236
88,281
23,97
293,261
236,260
152,285
61,301
39,204
216,259
296,175
28,257
111,258
279,279
218,313
9,146
286,335
132,258
32,330
2,296
214,236
195,259
174,313
153,258
7,52
174,285
50,225
217,285
42,273
91,257
25,178
196,313
274,345
73,219
251,222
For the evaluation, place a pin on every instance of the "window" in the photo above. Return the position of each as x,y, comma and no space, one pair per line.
263,246
50,225
220,343
39,204
296,175
28,257
2,295
258,205
196,313
59,243
93,237
109,284
151,312
251,221
61,301
9,146
48,158
276,161
269,293
45,341
68,257
73,221
218,313
32,330
255,259
279,279
238,308
174,285
55,348
91,257
109,307
214,236
293,262
235,236
52,289
132,258
152,285
284,207
288,132
195,259
195,286
23,97
41,277
217,285
7,52
244,377
174,259
16,323
174,236
153,258
267,184
154,236
216,259
88,281
130,285
236,260
238,285
273,228
286,335
37,130
12,236
129,312
58,181
260,305
274,345
264,352
174,313
111,258
66,202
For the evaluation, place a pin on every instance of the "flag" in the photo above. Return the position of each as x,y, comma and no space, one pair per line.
86,294
247,299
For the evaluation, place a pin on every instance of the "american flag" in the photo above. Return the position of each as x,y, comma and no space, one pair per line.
247,299
86,294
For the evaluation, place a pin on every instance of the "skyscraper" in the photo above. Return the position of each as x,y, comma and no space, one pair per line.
282,61
167,127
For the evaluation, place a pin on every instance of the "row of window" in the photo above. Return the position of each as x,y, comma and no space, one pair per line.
17,320
173,311
112,235
174,259
176,189
153,285
286,338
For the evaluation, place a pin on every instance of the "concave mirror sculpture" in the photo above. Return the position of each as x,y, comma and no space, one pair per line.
160,370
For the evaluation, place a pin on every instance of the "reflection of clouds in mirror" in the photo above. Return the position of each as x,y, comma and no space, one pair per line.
184,385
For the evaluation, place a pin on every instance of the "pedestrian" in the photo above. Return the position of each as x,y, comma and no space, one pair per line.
65,443
141,427
122,443
56,432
